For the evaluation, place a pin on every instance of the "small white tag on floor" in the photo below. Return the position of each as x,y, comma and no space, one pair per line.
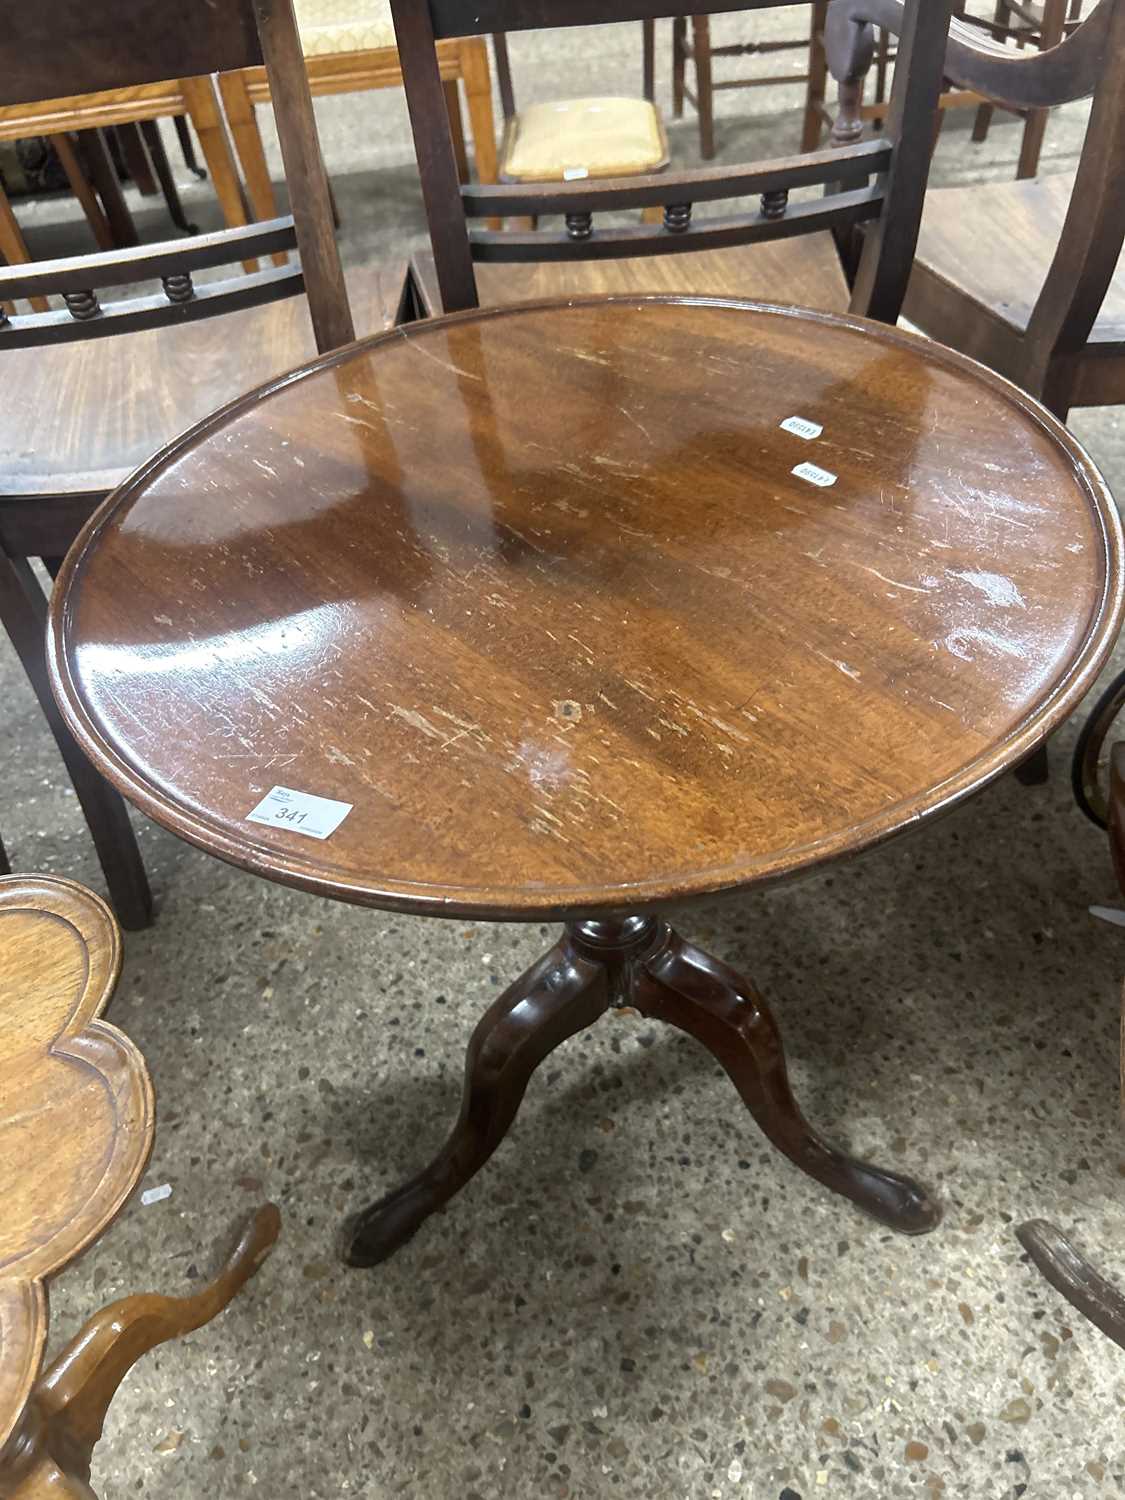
801,427
815,475
156,1194
1109,914
300,812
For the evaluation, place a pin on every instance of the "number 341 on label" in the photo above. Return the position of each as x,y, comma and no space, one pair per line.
300,812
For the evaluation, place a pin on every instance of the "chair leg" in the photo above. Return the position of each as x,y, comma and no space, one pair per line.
103,174
882,64
1034,769
251,153
704,93
187,147
477,81
136,159
456,127
648,59
478,102
23,613
160,165
1001,17
1050,35
817,87
13,251
679,56
206,118
83,191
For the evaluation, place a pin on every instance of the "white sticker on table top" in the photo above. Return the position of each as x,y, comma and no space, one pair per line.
801,427
300,812
814,474
575,174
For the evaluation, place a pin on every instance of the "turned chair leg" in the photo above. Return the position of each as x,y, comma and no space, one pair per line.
73,1396
560,995
23,613
694,992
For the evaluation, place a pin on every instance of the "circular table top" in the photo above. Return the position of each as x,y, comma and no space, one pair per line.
555,600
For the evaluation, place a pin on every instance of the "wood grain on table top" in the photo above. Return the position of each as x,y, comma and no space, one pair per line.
538,592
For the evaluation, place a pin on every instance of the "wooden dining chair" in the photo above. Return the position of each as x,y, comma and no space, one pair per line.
1021,275
782,248
700,52
1017,21
81,409
76,1131
349,47
74,125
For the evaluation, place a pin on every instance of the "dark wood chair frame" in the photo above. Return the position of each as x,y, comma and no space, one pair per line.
1052,357
76,46
880,182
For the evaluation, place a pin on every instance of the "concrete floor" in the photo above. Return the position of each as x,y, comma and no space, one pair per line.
637,1297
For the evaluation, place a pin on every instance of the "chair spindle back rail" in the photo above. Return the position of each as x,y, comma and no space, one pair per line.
879,181
58,48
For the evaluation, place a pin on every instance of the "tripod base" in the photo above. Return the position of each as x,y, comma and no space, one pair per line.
639,962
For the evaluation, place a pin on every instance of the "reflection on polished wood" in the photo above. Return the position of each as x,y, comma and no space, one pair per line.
76,1127
551,597
540,595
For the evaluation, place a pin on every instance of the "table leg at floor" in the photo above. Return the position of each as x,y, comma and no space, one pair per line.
634,961
687,988
560,995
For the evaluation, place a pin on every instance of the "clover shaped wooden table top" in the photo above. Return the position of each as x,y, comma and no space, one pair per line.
76,1106
559,601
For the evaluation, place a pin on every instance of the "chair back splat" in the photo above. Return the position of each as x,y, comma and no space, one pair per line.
881,180
57,48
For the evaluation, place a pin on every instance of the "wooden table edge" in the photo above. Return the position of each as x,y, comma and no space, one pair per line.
521,903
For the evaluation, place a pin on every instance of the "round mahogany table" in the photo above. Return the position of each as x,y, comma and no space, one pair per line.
579,622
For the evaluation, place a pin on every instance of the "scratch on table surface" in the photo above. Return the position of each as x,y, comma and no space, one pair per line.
841,666
416,721
415,345
343,416
894,582
639,425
